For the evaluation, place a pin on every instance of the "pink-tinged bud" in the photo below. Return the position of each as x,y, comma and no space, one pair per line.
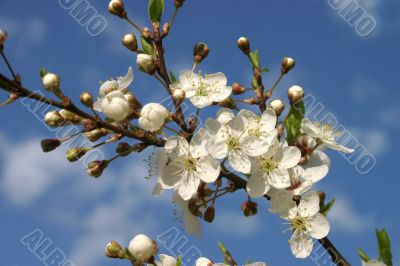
295,94
130,42
200,52
287,65
49,145
249,208
96,168
278,106
87,99
244,44
209,214
116,7
237,88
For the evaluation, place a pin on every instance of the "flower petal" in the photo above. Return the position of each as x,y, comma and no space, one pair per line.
171,175
268,120
308,128
239,161
319,226
208,169
301,246
289,157
317,167
309,205
257,186
124,82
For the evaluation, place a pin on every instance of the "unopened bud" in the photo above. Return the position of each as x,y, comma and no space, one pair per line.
244,45
87,99
237,88
165,29
306,143
278,106
142,247
3,36
228,103
96,168
287,65
71,117
75,154
115,251
179,94
95,134
178,3
200,52
280,128
54,119
295,94
145,63
249,208
116,7
252,101
133,101
146,33
209,214
51,82
129,41
124,149
49,145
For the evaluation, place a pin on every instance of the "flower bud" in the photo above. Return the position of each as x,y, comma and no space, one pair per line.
145,63
87,99
278,106
51,82
133,101
49,145
71,117
153,117
237,88
287,65
116,7
178,95
249,208
130,42
3,37
203,262
200,52
165,29
142,248
96,134
75,154
178,3
115,251
124,149
306,143
96,168
167,260
244,44
54,119
146,34
209,214
295,94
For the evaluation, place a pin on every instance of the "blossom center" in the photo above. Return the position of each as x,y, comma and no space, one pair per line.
190,163
268,164
299,224
233,143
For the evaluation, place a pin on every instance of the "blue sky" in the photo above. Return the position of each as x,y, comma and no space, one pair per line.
354,77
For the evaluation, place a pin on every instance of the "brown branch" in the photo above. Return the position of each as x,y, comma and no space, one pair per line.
142,135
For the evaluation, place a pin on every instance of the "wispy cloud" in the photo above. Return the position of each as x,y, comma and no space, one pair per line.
233,222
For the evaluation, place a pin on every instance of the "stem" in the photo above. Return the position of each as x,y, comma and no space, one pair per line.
133,24
173,17
9,65
272,89
260,87
141,135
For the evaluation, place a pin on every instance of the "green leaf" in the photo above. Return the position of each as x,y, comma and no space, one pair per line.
255,58
385,250
173,78
156,8
147,46
363,256
293,122
327,207
43,72
179,261
265,70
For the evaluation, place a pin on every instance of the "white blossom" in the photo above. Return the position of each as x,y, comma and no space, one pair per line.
142,247
324,134
306,223
188,165
373,263
191,222
203,262
203,91
145,63
272,169
167,260
153,116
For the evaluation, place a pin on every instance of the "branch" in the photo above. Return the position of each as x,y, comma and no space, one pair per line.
142,135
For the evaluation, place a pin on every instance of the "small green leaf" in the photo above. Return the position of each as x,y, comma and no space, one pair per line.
179,261
363,256
43,72
173,78
147,46
265,70
156,9
254,83
385,250
327,207
255,58
293,122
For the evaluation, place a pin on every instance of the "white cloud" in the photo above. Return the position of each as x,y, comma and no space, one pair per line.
375,140
233,222
345,217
